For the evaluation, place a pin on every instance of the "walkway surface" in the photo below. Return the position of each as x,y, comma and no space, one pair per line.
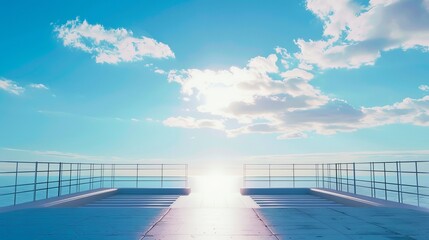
231,216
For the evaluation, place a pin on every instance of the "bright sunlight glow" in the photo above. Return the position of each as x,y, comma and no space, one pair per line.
215,183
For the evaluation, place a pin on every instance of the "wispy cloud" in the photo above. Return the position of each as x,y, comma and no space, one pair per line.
160,71
53,155
38,86
190,122
11,87
66,155
88,117
110,45
424,88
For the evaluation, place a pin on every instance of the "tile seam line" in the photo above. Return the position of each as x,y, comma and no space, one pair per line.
375,224
151,227
326,225
269,229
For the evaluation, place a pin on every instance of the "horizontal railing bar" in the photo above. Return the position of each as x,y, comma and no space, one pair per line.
95,164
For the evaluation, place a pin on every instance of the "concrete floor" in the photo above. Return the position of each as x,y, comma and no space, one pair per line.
78,223
228,217
346,223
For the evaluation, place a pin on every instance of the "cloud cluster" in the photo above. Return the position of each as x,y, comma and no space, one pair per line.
110,45
410,111
190,122
275,94
38,86
259,98
10,86
249,93
13,87
424,88
356,35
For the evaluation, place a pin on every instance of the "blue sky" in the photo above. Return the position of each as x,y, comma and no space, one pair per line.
214,81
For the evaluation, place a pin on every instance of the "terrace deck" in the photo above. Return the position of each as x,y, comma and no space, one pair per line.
222,216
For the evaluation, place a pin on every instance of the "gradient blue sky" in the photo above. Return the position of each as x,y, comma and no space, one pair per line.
354,83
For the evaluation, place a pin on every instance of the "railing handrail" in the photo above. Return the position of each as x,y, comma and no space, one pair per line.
364,162
387,177
94,163
71,177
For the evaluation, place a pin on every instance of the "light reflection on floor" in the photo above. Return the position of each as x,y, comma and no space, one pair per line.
214,210
214,191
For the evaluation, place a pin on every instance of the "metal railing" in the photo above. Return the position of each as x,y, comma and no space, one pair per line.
30,181
399,181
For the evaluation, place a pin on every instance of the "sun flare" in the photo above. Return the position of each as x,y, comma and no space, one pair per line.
215,183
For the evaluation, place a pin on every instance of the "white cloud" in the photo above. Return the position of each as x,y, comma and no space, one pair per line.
408,111
66,155
424,88
190,122
324,54
292,135
285,56
38,86
258,98
110,45
357,35
336,14
305,66
297,73
248,93
10,86
160,71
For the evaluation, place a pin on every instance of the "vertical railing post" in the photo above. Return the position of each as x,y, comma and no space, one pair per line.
371,178
70,176
323,175
47,181
329,176
354,178
397,181
137,176
112,175
16,183
79,172
60,168
35,180
417,183
102,176
400,180
374,173
76,177
316,167
162,175
347,176
336,176
293,175
340,177
385,181
90,175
